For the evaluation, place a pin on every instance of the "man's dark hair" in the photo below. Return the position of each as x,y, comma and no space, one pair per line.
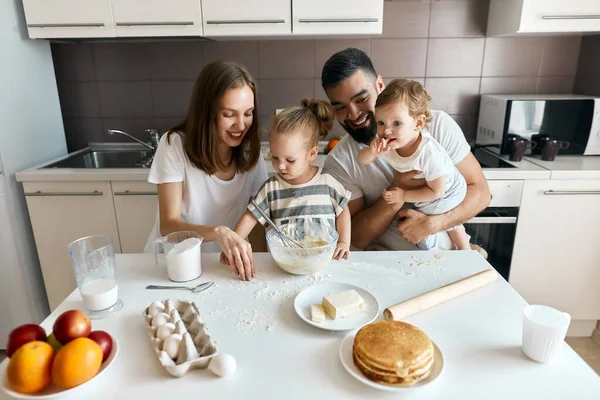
343,64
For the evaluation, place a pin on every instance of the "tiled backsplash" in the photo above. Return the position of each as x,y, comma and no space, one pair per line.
588,73
441,43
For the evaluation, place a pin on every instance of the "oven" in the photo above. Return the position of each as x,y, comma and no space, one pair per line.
495,227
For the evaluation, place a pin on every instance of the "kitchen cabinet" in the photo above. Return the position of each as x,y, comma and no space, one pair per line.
247,18
60,213
69,18
136,205
509,17
556,257
157,17
337,17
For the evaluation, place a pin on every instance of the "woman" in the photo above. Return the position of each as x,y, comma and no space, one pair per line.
209,165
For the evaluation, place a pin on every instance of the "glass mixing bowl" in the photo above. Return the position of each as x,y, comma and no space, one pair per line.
319,241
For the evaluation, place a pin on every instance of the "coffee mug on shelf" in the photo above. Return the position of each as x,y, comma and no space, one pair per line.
539,140
518,147
551,148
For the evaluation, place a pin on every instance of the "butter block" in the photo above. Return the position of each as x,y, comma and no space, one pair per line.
317,313
343,304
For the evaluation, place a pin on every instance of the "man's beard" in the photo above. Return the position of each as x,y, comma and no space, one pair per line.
363,135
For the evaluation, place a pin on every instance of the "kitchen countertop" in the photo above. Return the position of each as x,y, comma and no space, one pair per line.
280,356
524,170
570,167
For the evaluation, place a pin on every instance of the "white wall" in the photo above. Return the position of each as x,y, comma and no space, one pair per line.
31,131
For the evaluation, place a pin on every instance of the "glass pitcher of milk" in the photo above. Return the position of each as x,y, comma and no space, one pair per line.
182,255
93,260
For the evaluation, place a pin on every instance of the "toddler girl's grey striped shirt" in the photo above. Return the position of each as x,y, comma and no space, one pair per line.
321,200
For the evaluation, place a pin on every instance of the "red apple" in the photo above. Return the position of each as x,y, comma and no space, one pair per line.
24,334
71,325
104,341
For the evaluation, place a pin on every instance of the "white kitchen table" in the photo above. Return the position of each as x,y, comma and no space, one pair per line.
281,357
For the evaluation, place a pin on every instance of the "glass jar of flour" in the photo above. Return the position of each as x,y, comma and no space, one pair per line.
182,255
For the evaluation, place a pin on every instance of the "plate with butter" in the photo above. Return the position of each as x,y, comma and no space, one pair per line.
336,306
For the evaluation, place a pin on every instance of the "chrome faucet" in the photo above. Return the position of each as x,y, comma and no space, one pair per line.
154,137
154,140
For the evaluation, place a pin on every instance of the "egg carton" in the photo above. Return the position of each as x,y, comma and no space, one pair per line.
196,347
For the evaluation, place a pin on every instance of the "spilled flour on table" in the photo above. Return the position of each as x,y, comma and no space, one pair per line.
269,291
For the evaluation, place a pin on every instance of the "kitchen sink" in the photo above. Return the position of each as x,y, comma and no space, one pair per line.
94,158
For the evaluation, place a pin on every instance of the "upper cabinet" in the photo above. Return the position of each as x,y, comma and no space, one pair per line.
337,17
69,18
157,17
247,18
55,19
510,17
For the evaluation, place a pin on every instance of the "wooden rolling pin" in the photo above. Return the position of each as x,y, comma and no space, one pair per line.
439,295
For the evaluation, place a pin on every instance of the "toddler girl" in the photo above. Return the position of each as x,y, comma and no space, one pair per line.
402,112
300,190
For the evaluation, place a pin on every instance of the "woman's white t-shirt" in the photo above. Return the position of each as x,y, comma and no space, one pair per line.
207,200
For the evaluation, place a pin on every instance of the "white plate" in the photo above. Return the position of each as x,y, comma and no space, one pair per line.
348,363
52,391
314,295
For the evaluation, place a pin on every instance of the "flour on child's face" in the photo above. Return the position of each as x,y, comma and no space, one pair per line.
291,157
395,124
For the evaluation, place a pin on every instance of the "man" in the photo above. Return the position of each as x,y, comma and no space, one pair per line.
352,85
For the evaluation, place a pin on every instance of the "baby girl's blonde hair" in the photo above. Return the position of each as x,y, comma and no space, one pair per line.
408,93
314,119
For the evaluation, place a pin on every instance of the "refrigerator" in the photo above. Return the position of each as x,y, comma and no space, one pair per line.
31,132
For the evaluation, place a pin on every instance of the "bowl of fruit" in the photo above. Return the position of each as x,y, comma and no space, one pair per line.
46,366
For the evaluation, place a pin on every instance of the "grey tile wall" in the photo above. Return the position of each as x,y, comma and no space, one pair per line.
588,72
440,43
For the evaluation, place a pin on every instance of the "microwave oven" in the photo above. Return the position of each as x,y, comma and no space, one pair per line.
569,117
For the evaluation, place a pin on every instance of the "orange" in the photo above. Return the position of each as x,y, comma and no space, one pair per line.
30,367
76,363
331,145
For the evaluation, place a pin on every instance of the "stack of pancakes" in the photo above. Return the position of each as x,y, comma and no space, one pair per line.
393,353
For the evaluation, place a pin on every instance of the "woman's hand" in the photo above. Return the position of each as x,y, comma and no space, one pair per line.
342,251
237,253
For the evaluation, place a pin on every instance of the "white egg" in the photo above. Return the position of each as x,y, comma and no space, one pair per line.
166,330
156,308
222,365
160,319
171,345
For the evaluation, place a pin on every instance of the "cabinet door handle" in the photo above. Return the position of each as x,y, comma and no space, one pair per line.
128,193
492,220
571,192
551,17
71,25
245,21
334,20
39,193
182,23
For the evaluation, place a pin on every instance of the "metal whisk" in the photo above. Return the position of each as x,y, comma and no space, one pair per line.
287,241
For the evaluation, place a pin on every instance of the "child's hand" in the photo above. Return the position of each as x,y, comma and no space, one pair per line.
379,146
342,251
393,196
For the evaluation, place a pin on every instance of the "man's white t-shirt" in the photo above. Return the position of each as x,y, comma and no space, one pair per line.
207,200
369,181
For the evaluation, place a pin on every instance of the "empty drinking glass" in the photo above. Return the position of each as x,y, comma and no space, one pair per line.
93,260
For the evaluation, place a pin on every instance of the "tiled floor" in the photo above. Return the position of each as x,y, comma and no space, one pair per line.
588,350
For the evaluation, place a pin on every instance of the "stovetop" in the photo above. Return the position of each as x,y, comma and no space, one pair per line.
487,160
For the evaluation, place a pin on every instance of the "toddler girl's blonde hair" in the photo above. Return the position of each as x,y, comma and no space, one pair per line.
314,119
408,93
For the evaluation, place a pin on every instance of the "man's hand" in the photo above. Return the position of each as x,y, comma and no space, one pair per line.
415,226
405,180
394,196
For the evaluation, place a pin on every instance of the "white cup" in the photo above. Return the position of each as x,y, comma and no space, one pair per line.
544,331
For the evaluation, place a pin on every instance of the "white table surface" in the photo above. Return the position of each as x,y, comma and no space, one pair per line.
281,357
